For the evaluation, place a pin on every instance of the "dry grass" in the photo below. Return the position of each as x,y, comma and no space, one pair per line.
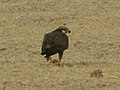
94,44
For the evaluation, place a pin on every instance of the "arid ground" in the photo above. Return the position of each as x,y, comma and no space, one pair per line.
94,44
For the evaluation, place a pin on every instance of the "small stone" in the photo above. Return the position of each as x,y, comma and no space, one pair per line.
97,73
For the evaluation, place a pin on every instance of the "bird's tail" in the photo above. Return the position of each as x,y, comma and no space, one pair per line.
43,53
51,51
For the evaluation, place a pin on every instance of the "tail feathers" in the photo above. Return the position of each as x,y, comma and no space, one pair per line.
43,53
50,51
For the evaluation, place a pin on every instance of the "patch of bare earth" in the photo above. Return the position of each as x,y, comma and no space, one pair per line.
94,44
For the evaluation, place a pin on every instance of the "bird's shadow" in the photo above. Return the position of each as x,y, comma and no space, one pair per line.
82,63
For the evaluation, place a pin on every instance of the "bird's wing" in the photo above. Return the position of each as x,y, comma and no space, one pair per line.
55,40
46,42
61,40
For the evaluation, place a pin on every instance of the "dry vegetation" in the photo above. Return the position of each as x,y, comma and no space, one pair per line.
94,44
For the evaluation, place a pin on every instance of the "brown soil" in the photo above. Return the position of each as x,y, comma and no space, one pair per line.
94,44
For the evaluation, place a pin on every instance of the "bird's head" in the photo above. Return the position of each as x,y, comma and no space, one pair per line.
63,29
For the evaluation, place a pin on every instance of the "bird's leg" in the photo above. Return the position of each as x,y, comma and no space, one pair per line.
49,58
60,56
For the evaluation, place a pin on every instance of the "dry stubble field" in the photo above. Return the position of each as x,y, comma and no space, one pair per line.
94,44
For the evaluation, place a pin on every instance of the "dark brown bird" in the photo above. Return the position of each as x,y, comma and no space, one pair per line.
55,42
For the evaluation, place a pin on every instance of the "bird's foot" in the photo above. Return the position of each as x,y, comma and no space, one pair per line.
55,62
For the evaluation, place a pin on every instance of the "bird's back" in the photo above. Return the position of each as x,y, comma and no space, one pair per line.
54,42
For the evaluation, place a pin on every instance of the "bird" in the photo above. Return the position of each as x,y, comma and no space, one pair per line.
55,42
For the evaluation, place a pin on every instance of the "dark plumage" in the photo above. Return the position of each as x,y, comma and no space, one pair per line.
55,42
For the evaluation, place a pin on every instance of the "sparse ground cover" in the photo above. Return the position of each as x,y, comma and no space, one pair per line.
94,44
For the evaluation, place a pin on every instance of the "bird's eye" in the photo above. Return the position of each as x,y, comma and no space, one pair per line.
69,31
